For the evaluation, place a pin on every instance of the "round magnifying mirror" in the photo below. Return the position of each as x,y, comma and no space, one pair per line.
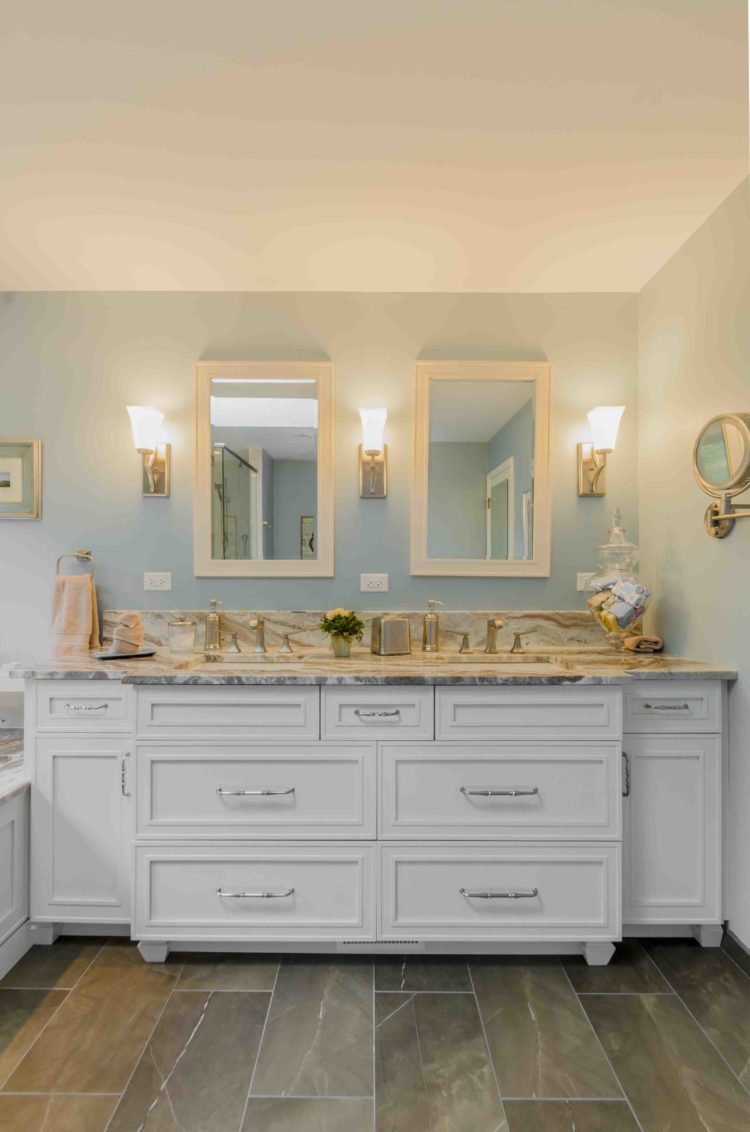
721,457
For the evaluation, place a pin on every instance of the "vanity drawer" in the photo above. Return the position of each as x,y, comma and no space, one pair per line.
671,706
565,790
352,713
213,711
83,705
313,892
557,712
313,791
566,892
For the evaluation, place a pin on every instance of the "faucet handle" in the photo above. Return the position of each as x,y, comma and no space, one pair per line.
517,645
464,646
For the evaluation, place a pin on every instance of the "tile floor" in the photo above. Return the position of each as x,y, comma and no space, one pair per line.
93,1039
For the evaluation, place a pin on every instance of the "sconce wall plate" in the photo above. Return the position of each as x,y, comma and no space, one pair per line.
373,473
591,470
156,469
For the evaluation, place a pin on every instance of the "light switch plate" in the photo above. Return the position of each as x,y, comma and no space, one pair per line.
157,581
373,583
582,581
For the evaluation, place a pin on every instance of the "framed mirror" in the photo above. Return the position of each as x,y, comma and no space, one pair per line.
480,485
263,502
721,462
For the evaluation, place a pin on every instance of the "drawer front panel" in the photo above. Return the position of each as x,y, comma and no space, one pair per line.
249,712
671,706
565,790
380,712
565,712
313,791
236,891
569,892
84,705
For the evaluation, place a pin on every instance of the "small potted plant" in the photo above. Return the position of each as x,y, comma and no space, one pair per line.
342,626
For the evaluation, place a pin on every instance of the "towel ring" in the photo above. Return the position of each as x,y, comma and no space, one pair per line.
80,556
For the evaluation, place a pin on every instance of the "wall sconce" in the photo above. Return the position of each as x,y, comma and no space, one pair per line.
148,436
592,455
372,454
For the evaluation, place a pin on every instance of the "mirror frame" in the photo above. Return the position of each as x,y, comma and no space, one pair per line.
540,374
204,565
740,481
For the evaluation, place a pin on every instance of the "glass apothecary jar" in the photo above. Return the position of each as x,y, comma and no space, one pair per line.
181,636
618,600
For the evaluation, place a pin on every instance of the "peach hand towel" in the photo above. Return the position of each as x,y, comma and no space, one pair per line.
75,617
128,633
644,644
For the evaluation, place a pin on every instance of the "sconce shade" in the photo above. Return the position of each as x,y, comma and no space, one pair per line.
373,426
605,423
147,424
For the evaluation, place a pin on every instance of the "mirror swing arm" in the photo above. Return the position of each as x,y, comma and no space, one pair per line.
734,451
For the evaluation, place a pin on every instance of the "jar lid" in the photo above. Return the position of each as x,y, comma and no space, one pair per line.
178,622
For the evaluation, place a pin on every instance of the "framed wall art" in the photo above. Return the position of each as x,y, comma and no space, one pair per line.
20,479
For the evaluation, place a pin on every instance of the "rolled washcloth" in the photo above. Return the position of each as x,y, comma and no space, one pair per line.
75,617
128,633
644,644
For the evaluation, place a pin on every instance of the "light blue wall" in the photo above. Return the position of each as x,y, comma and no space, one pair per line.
516,439
294,494
70,362
456,524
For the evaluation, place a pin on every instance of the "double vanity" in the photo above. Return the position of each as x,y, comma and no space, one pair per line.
465,803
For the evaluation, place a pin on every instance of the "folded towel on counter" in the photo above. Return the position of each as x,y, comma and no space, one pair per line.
644,644
127,635
75,617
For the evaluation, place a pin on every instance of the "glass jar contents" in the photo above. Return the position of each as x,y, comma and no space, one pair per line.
181,636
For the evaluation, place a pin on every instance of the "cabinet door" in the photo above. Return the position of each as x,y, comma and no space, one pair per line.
82,817
14,899
672,830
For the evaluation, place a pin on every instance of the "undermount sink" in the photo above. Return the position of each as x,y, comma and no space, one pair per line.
226,662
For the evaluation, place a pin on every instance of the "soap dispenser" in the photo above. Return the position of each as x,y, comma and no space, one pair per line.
213,627
431,627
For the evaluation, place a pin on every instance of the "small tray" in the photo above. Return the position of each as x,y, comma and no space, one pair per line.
102,655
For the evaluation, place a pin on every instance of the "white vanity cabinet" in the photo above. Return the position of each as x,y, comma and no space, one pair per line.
14,900
82,812
379,816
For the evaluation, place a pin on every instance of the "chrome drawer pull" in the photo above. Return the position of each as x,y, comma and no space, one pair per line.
86,707
521,894
391,714
511,792
254,895
666,707
251,793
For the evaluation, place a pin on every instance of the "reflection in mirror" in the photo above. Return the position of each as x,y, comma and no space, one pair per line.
264,451
720,451
481,469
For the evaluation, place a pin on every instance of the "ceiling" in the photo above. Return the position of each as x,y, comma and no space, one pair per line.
406,145
473,411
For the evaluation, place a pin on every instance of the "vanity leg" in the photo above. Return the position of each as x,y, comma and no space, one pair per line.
153,951
708,935
598,954
44,934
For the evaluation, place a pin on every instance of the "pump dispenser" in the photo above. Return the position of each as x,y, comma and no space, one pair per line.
431,627
213,627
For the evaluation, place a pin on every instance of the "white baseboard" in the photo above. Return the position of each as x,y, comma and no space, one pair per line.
14,948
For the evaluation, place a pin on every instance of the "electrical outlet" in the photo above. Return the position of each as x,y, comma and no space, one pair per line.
370,583
582,581
160,581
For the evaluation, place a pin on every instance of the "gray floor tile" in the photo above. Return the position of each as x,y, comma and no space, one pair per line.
539,1038
716,992
227,972
318,1040
318,1115
196,1069
23,1016
404,973
570,1116
58,967
629,970
433,1073
672,1075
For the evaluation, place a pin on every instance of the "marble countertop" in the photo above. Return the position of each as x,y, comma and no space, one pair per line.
14,779
317,666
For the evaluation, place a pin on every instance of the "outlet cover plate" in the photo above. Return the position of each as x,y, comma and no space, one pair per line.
373,583
157,581
582,581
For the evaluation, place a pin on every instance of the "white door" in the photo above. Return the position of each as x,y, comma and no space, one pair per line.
500,511
82,817
672,829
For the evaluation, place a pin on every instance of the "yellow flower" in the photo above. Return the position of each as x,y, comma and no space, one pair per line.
338,612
